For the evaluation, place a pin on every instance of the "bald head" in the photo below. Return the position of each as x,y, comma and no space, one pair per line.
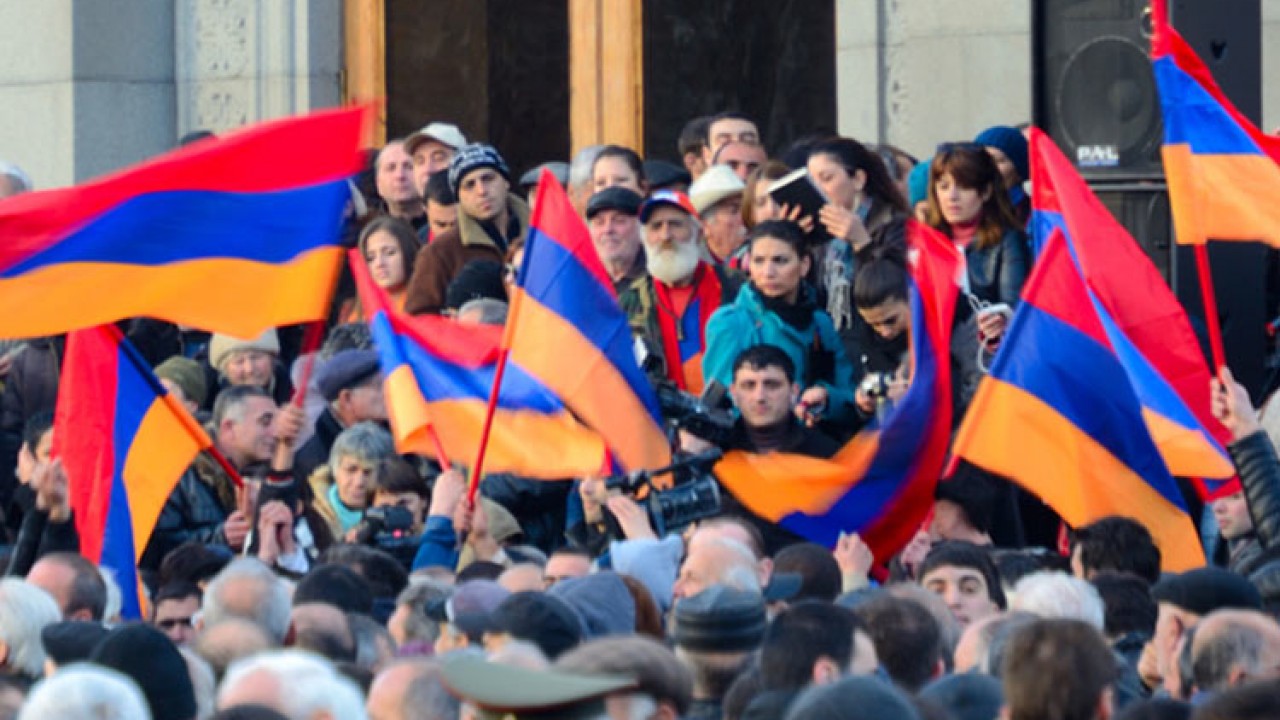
1232,647
715,560
230,640
521,578
410,690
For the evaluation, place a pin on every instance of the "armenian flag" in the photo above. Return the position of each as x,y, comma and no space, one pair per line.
881,483
1143,320
233,235
124,442
1059,416
567,330
1223,172
438,377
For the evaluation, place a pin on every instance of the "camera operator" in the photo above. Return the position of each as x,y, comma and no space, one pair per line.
766,393
396,483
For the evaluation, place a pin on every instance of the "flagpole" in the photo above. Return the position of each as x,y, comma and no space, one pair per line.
310,345
1210,303
513,316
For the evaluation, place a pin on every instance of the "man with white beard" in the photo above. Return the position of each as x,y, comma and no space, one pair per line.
669,306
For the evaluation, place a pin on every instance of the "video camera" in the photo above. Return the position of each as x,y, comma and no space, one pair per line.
693,496
389,528
708,416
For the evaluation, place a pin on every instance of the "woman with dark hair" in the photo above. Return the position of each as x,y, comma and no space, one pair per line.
968,203
777,307
866,210
618,165
389,246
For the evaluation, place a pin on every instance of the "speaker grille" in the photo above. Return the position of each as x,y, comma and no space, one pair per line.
1107,105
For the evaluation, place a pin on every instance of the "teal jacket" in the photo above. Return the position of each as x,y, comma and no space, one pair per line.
734,328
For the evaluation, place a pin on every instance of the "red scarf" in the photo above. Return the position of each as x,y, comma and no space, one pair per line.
686,373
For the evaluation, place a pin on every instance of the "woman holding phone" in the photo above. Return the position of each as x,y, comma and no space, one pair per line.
968,203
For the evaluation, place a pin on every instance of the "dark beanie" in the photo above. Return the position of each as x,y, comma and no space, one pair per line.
546,621
336,585
476,280
153,662
71,640
1009,141
473,157
1203,590
720,619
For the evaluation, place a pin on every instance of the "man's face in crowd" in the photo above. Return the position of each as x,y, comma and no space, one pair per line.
670,246
395,175
949,523
1232,514
250,367
410,501
729,130
482,193
742,158
964,590
29,458
889,319
709,563
429,158
1172,623
442,218
562,566
722,223
763,395
173,618
616,235
364,402
251,437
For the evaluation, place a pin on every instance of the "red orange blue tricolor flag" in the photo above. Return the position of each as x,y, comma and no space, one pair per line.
1058,414
1223,172
1144,321
232,235
438,377
124,443
567,330
880,484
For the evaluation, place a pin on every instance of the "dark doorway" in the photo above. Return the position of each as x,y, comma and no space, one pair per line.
771,59
499,69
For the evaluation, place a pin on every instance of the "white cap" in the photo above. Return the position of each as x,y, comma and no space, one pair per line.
716,184
444,133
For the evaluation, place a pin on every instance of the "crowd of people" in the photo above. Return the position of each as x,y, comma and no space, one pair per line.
321,574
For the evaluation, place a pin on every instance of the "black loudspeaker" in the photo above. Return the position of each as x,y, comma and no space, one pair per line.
1093,88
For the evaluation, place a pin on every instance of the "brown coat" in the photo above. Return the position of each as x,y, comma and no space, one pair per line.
440,262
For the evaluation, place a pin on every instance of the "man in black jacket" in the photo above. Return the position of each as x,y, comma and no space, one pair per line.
351,383
765,393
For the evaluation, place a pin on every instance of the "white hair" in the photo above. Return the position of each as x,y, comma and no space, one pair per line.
739,574
21,180
1059,595
581,166
86,691
24,611
232,594
115,600
202,681
309,685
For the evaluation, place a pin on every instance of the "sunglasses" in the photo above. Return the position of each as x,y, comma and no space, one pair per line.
171,623
953,146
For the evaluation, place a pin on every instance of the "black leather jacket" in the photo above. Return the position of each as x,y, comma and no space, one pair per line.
1259,469
997,273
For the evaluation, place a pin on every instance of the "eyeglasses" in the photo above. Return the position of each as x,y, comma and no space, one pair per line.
966,146
171,623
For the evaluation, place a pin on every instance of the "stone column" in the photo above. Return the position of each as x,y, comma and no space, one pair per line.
240,61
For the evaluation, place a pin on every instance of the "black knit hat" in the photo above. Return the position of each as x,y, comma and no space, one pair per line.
720,619
71,640
1203,590
153,662
476,280
473,157
546,621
